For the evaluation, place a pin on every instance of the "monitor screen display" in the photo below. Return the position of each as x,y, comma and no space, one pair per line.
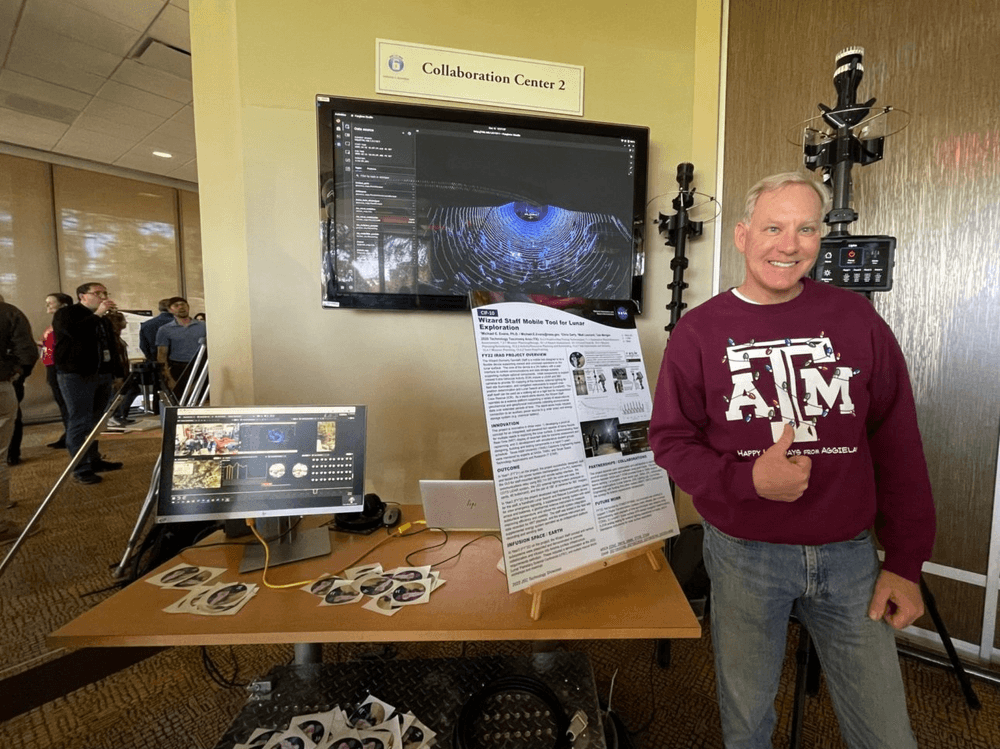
258,462
421,205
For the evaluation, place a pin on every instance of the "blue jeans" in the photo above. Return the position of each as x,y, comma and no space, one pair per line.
755,587
87,398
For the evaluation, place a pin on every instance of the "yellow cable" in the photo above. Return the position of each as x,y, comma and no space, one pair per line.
267,559
398,533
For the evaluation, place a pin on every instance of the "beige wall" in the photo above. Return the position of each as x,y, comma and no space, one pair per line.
258,66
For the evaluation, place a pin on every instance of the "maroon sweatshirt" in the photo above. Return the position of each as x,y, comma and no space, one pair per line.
734,373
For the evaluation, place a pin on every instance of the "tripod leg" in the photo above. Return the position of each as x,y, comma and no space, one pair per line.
803,655
194,368
963,678
147,509
194,394
61,480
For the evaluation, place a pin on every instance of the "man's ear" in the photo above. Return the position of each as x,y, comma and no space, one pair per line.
740,236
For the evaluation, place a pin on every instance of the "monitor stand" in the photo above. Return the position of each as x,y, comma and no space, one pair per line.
292,546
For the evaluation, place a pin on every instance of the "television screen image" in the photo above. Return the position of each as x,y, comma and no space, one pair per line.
420,205
260,462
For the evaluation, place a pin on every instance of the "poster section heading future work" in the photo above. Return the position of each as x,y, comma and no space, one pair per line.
567,408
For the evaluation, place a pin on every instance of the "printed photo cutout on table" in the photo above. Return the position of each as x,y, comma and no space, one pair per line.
363,571
405,574
320,587
185,576
226,599
347,738
370,713
408,594
342,592
417,735
186,605
392,726
383,605
375,585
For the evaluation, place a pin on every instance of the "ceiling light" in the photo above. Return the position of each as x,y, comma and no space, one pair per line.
163,154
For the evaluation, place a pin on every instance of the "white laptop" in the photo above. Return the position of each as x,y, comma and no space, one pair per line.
460,505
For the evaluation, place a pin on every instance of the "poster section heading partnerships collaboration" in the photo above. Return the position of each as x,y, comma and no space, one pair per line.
567,409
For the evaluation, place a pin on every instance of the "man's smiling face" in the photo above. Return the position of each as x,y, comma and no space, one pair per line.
781,242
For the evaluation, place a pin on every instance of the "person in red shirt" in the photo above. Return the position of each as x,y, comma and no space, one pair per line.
54,301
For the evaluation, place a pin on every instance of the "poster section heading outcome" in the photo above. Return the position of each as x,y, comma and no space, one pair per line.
567,410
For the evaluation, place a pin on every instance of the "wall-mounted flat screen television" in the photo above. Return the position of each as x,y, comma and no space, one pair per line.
421,205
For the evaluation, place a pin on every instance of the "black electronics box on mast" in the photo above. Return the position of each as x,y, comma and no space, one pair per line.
844,135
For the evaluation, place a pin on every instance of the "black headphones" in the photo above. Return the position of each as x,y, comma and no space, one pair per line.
375,514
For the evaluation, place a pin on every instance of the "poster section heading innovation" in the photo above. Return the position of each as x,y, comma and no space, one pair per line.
567,409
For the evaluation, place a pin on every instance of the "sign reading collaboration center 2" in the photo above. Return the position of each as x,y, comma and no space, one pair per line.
518,80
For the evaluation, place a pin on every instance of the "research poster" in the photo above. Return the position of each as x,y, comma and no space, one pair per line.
567,409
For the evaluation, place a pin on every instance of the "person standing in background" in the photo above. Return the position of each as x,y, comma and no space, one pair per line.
177,344
14,448
120,417
54,301
17,354
87,362
147,331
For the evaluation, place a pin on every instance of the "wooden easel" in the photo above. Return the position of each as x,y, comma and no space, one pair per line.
536,591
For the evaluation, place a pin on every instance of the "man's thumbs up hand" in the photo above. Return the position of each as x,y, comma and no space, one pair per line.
778,477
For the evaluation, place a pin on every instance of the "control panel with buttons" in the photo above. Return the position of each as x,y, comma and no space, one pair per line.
859,263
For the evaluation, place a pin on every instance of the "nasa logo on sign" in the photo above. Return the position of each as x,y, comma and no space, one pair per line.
622,313
395,63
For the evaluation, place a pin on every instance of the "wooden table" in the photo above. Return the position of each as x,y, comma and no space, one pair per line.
627,601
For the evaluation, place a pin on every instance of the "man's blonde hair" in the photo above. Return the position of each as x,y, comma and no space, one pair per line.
777,181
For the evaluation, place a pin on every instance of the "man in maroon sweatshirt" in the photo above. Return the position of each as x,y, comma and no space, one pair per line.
784,408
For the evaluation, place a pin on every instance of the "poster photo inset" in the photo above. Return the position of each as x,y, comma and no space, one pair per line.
600,437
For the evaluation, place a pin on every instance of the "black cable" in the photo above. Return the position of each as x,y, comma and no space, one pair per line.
113,586
390,534
216,675
406,559
616,733
474,708
453,556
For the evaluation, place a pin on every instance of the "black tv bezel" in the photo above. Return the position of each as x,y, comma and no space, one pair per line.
325,106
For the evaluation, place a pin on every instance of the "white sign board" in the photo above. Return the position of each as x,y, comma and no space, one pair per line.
567,410
477,78
131,333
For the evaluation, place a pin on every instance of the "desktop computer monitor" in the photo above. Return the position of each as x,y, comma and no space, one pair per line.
263,462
